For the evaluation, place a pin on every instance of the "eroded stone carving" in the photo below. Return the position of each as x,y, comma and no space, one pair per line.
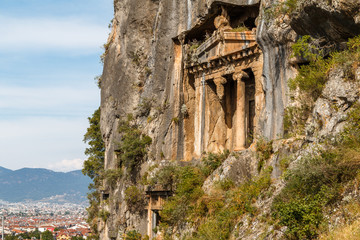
220,87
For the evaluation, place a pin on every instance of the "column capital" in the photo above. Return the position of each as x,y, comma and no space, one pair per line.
238,76
220,91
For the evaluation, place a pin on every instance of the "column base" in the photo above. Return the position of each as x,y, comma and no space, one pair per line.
238,149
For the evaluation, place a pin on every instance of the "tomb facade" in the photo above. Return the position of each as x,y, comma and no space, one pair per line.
222,90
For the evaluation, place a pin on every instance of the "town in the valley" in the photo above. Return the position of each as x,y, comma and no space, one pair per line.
40,220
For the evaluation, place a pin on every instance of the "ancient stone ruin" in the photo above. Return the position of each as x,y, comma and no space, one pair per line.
221,86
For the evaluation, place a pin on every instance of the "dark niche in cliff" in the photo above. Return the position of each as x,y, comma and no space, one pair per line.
313,19
238,16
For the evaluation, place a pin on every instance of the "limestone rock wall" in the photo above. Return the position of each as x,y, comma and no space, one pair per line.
144,75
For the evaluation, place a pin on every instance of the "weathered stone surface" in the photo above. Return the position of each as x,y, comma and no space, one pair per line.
331,107
336,20
239,168
144,74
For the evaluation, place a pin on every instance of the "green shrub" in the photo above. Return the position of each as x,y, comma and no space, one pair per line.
188,191
317,181
276,10
219,213
133,235
166,176
264,151
104,215
302,216
240,28
112,176
226,184
134,199
312,77
132,148
284,163
212,161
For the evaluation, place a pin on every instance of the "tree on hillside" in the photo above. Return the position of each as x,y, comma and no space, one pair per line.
10,237
94,165
47,235
77,238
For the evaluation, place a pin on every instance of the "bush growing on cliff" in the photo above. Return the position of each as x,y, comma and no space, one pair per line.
112,176
312,77
213,160
318,181
133,145
264,150
214,215
134,198
217,214
133,235
188,190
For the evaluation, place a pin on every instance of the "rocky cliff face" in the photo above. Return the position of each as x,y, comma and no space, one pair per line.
195,84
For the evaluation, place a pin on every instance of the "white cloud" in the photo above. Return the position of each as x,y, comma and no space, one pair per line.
67,165
41,141
46,99
43,34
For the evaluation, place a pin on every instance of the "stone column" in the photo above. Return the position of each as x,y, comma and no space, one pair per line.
197,118
149,228
239,123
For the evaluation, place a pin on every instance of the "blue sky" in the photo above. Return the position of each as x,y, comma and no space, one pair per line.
49,56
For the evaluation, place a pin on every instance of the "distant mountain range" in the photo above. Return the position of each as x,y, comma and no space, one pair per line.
38,184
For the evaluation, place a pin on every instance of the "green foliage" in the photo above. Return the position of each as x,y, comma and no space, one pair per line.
47,235
280,9
106,51
10,237
93,209
132,148
312,77
302,216
167,177
28,235
148,71
175,120
112,176
104,215
94,165
188,189
240,28
290,6
98,80
221,212
215,214
263,151
309,187
194,45
213,160
226,184
317,181
133,235
77,238
285,163
134,198
295,119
